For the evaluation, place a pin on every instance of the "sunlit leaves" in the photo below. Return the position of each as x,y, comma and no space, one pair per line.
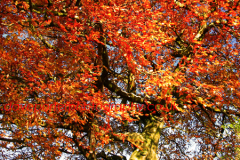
178,53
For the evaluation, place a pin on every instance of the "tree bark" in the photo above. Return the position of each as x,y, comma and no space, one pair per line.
148,140
237,148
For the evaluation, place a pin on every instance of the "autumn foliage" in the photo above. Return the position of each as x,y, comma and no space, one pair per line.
180,56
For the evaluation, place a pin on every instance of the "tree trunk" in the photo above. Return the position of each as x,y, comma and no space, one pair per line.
148,140
238,141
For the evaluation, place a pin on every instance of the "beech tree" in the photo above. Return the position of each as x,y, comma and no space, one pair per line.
103,79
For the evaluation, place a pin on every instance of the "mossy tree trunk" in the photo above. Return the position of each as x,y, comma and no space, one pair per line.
237,148
148,140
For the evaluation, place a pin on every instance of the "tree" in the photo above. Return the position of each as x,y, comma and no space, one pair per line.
171,66
236,127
